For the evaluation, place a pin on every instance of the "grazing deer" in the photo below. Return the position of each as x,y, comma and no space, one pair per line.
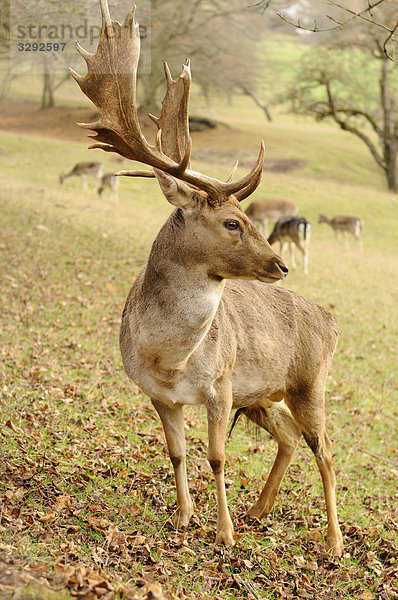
110,181
269,210
199,325
83,169
345,224
296,231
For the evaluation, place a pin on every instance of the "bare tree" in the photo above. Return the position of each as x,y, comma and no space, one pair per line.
38,37
218,35
51,81
353,82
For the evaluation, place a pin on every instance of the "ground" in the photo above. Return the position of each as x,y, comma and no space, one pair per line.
86,486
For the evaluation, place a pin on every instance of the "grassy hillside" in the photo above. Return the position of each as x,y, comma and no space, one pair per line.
86,485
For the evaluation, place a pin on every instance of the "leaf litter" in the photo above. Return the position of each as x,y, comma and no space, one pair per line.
86,488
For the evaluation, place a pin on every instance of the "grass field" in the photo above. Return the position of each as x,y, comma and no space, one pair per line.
86,485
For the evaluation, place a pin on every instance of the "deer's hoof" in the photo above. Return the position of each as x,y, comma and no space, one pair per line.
182,517
334,546
225,536
257,512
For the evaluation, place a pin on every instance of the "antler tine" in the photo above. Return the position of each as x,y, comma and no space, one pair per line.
135,174
86,55
167,73
252,179
186,159
174,120
249,189
106,16
232,173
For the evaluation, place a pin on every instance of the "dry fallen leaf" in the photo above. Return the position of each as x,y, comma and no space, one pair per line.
11,425
63,503
300,561
48,517
311,565
315,535
155,592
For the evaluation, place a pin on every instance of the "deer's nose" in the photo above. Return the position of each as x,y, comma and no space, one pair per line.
284,269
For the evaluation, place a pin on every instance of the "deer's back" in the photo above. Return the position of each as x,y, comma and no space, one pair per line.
86,166
346,221
271,208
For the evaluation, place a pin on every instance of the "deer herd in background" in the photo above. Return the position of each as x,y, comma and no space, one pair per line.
294,230
289,228
103,180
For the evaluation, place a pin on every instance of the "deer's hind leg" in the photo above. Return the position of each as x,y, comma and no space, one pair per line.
275,418
308,410
173,425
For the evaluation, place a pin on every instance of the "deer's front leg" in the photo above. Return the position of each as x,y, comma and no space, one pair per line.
218,411
173,425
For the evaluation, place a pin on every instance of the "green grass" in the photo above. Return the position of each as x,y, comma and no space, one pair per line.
73,426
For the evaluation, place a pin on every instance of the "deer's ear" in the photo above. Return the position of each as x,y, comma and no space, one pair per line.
176,192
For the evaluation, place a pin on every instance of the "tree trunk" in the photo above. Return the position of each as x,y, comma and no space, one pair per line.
50,91
392,176
47,99
390,128
206,96
5,85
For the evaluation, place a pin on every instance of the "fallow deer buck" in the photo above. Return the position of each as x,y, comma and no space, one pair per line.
295,231
269,210
345,224
199,325
111,182
82,169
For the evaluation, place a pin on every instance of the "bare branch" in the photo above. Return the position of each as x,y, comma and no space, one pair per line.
335,113
262,5
365,15
388,39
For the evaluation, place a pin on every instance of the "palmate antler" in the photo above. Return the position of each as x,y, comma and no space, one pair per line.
111,83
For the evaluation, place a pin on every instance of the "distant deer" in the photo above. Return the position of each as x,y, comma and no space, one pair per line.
192,332
296,231
82,169
110,181
352,225
269,210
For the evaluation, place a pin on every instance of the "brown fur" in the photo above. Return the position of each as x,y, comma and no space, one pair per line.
296,231
187,336
269,210
83,169
345,224
110,181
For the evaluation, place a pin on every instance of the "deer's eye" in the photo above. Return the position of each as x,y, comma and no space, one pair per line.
231,225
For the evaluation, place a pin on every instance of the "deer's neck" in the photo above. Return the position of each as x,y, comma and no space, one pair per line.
178,299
